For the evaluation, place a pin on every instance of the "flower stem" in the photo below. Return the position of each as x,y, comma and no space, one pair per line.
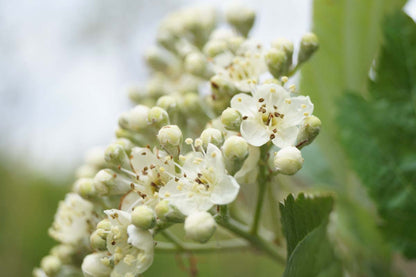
226,245
263,179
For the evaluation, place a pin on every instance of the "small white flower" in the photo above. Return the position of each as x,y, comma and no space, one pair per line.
271,114
131,248
204,182
73,220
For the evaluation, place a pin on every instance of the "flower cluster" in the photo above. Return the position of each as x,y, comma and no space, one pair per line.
216,106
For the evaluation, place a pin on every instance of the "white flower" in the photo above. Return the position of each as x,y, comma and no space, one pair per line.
204,182
73,221
271,114
131,248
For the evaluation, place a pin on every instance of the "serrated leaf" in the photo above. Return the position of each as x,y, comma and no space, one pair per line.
379,134
304,222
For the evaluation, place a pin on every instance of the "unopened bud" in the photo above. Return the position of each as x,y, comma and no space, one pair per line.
108,182
277,62
125,143
51,265
309,131
93,266
104,224
159,59
167,212
170,135
241,17
285,45
215,47
85,187
222,86
135,119
167,102
191,102
158,117
116,155
231,118
235,147
64,252
143,217
288,160
211,135
200,226
196,64
308,46
98,239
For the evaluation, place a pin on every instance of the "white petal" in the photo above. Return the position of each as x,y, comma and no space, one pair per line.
254,132
286,137
214,158
118,217
295,112
142,157
225,191
141,239
93,267
130,200
245,104
248,172
273,94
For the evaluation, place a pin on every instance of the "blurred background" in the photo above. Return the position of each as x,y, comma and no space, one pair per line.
65,67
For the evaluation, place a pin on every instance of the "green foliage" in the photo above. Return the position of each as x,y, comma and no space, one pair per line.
304,223
350,34
379,134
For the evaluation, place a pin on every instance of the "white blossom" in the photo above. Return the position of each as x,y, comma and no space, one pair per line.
271,114
204,182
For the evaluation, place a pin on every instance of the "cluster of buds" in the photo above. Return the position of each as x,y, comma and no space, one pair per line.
214,99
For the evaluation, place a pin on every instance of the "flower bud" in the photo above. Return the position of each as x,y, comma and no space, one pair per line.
309,131
221,86
85,187
200,226
308,45
158,117
116,155
64,252
286,46
215,47
108,182
170,135
191,102
196,64
125,143
241,17
143,217
95,157
231,118
211,135
92,265
277,62
104,224
51,265
136,93
98,239
135,119
86,171
167,212
235,148
288,160
159,59
167,102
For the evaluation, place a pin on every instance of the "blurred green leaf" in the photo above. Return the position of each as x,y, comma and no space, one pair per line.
379,134
304,223
350,34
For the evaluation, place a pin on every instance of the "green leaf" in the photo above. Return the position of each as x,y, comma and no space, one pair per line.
379,133
304,222
350,35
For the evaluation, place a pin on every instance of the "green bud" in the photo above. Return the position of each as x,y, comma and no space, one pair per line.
231,118
51,265
125,143
309,131
170,135
235,42
211,135
135,119
137,93
215,47
308,46
85,188
200,226
196,64
277,62
169,213
64,252
191,102
167,103
288,160
116,155
143,217
222,87
158,117
104,224
235,148
241,17
98,240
